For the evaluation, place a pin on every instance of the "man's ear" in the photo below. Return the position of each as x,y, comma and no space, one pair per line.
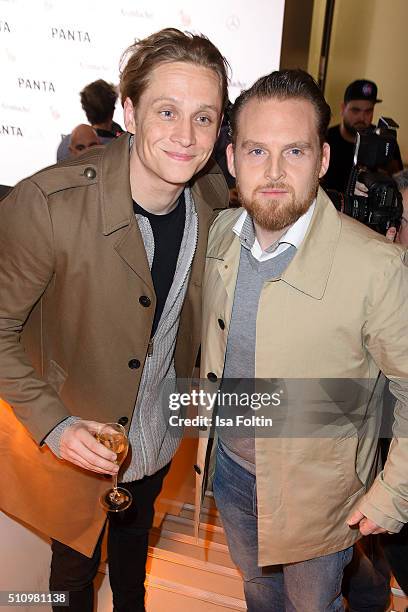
230,159
325,159
342,108
129,116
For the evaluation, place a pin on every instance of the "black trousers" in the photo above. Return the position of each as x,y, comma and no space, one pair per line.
366,580
128,537
395,548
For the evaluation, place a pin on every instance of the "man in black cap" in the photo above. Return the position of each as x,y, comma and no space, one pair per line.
356,114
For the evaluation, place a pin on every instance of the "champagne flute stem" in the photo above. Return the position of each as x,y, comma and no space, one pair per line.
115,483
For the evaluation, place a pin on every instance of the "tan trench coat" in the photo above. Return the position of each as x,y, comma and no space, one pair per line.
72,269
340,310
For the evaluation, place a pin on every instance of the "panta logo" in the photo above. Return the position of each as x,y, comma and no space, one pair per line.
10,130
4,26
75,35
36,85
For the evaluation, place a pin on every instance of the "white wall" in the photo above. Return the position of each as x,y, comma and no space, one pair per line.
50,49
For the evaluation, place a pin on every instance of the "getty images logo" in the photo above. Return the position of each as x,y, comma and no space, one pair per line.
68,34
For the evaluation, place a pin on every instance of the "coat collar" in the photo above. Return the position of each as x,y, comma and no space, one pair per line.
309,270
114,186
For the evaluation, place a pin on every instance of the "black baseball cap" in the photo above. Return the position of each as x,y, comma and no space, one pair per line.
361,90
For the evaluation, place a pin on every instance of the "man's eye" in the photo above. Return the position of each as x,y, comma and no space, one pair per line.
204,119
166,114
296,152
257,152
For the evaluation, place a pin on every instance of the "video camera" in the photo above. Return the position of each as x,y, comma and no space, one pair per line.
382,208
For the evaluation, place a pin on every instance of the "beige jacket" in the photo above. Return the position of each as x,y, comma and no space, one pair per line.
339,311
72,269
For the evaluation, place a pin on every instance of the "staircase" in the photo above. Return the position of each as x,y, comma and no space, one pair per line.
184,574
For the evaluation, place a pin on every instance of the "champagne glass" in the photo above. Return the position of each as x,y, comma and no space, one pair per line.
113,436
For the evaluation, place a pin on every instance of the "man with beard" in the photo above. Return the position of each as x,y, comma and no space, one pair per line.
297,293
356,115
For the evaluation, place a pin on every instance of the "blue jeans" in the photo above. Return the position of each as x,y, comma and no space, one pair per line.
307,586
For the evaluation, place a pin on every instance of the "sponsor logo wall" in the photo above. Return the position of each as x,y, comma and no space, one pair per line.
51,49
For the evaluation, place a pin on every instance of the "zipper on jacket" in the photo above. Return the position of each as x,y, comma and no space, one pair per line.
150,348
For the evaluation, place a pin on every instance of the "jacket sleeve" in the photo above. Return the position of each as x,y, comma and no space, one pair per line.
26,269
386,503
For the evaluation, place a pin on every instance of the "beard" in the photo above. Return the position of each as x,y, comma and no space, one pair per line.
353,129
350,129
277,214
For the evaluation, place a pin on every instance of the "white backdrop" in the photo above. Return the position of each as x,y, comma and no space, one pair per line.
50,49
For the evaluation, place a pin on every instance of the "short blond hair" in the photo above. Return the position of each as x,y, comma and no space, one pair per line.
165,46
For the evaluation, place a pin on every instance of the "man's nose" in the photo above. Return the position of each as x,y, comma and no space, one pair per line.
184,132
274,170
364,118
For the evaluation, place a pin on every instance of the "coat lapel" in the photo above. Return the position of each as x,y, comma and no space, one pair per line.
309,270
226,250
117,208
131,249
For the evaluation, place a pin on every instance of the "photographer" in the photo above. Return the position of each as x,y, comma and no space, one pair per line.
356,115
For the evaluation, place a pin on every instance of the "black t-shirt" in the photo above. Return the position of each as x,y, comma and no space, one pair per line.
168,233
341,160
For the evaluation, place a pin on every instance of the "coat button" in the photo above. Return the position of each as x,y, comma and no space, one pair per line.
145,301
212,377
123,420
221,323
134,364
197,469
90,173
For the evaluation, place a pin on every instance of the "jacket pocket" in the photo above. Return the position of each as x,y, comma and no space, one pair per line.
55,375
346,456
